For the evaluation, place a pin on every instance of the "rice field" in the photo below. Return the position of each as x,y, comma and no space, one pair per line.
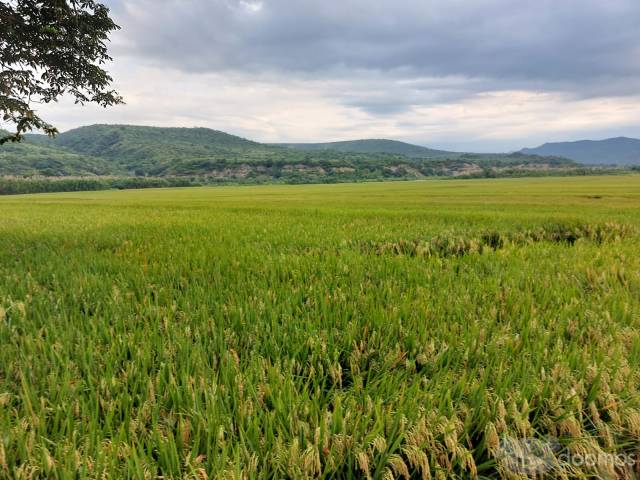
409,330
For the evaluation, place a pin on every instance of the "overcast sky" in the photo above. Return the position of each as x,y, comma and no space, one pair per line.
484,75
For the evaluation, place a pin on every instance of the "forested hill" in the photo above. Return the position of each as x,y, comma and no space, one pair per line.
214,156
129,141
38,156
150,150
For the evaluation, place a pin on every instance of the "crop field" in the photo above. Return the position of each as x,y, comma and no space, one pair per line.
407,330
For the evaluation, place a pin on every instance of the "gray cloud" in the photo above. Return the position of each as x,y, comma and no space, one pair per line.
456,74
571,44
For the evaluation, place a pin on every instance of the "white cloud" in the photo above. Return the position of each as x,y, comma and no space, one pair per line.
252,7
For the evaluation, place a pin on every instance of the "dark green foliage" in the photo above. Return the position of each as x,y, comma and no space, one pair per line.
27,159
47,49
17,186
127,142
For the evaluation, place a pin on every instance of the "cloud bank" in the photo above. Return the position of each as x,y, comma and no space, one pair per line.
482,74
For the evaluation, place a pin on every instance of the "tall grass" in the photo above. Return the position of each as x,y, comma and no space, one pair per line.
246,333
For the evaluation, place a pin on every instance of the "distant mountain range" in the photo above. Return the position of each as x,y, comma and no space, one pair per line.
213,156
620,151
372,146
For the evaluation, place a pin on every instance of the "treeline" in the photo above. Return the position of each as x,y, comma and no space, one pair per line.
18,186
553,172
317,172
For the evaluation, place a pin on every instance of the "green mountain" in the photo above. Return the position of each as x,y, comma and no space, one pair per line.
373,146
208,156
39,157
152,150
619,151
137,142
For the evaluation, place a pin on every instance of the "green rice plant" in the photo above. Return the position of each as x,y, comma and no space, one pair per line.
290,332
451,245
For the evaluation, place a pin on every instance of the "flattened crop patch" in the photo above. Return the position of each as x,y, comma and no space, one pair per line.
455,245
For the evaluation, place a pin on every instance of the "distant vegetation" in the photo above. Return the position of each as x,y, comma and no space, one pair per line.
16,185
95,155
